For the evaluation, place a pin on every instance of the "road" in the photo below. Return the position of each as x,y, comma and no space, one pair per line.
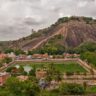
2,69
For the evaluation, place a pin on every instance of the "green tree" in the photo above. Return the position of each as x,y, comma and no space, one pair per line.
71,89
58,76
30,89
19,88
9,69
19,51
7,60
32,72
8,50
14,86
1,63
89,56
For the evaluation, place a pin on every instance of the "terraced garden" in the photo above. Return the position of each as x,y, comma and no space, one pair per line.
60,66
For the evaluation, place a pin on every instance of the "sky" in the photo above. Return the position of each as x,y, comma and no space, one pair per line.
19,17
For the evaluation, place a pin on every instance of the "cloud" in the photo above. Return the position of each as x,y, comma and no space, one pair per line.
33,21
82,4
28,14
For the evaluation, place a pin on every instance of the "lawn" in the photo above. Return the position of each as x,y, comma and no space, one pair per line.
61,66
91,89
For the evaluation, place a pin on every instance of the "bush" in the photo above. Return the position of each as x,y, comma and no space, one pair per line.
69,73
87,46
63,20
19,51
7,60
8,50
9,69
1,63
71,89
90,57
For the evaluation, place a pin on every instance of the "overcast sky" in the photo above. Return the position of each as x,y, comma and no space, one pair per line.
18,17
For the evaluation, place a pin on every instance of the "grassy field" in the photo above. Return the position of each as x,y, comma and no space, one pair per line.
61,66
91,89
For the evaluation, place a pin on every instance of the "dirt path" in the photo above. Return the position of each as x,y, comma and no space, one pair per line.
5,67
44,40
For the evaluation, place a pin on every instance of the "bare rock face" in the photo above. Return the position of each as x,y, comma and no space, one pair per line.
79,32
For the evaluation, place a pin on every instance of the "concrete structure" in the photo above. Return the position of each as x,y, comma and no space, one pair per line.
11,55
41,73
40,56
22,78
67,55
3,77
42,83
24,57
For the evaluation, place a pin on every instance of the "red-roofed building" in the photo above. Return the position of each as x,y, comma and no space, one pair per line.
40,56
22,78
2,56
67,55
3,77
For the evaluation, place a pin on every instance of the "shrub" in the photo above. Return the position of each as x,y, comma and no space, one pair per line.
71,89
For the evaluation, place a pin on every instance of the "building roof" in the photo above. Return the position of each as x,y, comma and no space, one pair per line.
4,73
40,55
2,55
22,78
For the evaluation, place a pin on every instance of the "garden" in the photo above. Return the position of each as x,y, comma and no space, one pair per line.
59,66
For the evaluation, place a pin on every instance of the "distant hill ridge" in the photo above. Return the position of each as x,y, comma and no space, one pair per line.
74,31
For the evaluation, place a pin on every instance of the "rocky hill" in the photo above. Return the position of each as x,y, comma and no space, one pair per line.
68,32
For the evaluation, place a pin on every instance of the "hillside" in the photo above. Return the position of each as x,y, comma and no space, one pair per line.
68,32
